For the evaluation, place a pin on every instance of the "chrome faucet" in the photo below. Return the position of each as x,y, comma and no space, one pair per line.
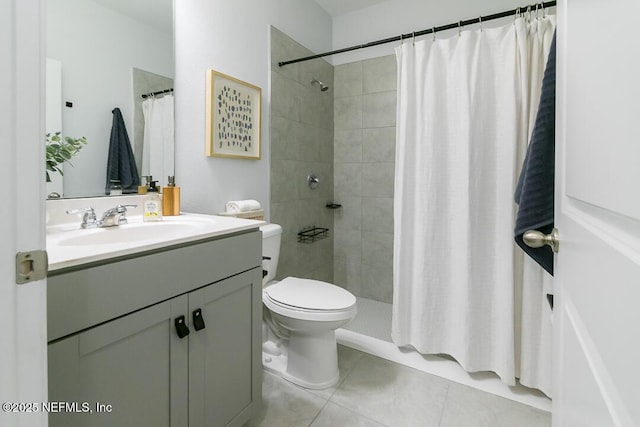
110,218
115,216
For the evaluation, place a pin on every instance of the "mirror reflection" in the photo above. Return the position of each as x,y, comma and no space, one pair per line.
105,57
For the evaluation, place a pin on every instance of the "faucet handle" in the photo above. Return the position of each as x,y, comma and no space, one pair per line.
81,210
88,218
123,208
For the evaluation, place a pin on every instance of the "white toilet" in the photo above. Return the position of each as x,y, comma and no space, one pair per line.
300,319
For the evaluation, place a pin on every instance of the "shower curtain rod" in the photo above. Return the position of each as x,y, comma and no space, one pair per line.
160,92
401,37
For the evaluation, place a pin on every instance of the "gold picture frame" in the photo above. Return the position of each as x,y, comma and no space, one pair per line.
234,116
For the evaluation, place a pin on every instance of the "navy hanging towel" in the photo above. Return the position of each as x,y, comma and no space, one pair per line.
534,192
121,164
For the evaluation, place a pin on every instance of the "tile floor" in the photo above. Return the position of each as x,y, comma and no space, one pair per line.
376,392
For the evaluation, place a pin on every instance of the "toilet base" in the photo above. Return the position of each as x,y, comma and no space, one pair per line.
310,361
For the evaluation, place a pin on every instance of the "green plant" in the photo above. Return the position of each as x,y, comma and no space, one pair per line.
60,150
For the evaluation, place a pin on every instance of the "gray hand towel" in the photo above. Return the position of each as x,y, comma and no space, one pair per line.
121,164
534,192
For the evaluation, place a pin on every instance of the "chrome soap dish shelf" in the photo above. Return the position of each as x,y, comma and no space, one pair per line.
313,233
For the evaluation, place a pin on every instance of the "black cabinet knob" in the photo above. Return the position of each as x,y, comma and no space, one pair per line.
181,327
198,321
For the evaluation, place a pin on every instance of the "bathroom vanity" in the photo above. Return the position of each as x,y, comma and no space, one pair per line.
158,334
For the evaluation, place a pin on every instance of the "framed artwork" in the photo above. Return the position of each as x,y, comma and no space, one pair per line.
233,117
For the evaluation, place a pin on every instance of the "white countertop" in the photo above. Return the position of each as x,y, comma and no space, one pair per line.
68,245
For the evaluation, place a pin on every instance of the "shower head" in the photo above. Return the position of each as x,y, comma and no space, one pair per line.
316,82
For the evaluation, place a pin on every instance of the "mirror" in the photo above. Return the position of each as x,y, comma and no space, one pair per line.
102,55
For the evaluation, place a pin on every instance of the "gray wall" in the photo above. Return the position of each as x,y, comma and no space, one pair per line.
364,146
301,143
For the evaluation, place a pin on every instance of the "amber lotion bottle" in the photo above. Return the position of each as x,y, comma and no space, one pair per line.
171,198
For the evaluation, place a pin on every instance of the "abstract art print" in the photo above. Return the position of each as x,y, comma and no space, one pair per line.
233,117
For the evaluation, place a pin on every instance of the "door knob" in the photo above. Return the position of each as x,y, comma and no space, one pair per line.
536,239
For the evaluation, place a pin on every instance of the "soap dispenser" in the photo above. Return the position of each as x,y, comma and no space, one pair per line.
142,189
152,204
171,198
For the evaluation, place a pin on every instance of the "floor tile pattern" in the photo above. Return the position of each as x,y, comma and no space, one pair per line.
374,392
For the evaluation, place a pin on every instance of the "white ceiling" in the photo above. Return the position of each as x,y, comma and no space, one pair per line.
340,7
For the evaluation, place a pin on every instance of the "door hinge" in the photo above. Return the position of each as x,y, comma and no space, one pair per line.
31,266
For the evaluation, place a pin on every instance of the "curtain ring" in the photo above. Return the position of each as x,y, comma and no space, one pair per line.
414,38
516,16
434,34
480,21
459,28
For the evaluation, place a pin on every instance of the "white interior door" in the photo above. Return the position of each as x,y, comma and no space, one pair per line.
23,350
597,270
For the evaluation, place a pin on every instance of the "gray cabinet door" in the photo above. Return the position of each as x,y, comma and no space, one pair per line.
136,363
225,376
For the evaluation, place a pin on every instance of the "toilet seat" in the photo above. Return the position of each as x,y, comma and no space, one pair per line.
308,299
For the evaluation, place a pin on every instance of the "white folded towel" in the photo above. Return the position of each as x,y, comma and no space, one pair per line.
242,206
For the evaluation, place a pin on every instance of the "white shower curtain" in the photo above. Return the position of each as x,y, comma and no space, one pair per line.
465,113
158,140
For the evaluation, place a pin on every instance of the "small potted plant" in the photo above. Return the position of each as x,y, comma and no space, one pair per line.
61,149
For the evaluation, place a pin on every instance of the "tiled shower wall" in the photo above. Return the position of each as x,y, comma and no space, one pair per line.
301,144
364,155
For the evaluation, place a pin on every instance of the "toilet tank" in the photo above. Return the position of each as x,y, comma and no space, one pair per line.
271,238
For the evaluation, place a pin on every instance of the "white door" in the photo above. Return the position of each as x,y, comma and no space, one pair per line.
23,351
597,270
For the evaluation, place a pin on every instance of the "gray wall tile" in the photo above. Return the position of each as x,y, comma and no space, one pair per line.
348,179
379,109
347,113
284,48
301,142
348,79
377,283
377,179
379,144
285,137
348,146
283,188
377,249
377,214
379,74
364,156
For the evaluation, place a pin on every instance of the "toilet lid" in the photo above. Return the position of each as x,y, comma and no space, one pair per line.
310,294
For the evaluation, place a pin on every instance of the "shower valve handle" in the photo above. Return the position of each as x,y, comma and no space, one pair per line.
314,181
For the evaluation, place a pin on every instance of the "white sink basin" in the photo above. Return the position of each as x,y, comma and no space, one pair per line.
69,245
128,233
